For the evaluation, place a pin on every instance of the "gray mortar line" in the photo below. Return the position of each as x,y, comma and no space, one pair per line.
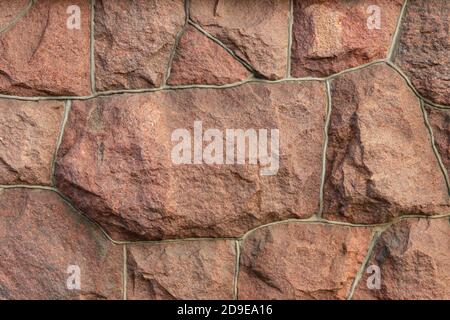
433,145
289,49
220,43
375,236
325,147
236,270
16,19
67,106
92,48
125,272
311,220
395,37
176,43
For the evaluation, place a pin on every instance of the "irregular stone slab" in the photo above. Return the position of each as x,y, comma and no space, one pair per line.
380,163
440,124
190,270
134,40
40,55
115,161
257,31
413,261
9,10
200,60
301,261
28,135
423,48
331,36
46,245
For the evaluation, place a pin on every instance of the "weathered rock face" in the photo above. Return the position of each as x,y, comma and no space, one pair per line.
9,10
440,124
331,36
28,135
423,48
43,242
301,261
200,60
181,270
134,40
413,257
116,162
40,55
257,31
380,162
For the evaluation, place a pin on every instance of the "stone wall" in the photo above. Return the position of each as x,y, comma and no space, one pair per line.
93,206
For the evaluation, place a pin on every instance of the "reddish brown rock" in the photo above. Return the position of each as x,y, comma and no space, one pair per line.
200,60
257,31
331,36
28,135
43,243
10,10
181,270
380,163
115,160
134,41
301,261
413,260
440,124
423,48
39,55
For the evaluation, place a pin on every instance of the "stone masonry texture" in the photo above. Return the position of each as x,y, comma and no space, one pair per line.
224,149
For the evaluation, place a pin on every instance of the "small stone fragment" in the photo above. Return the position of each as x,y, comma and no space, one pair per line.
380,161
440,125
256,31
200,60
134,41
28,136
41,55
49,252
424,45
10,10
413,260
190,270
331,36
301,261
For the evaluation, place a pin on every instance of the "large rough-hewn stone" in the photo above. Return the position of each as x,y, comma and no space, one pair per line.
115,160
10,10
134,41
40,55
28,135
199,60
181,270
380,163
257,31
44,243
439,120
301,261
414,261
424,45
331,36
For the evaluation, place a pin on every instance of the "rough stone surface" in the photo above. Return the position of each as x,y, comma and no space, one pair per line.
181,270
9,10
301,261
331,36
41,237
39,55
380,163
134,41
115,160
257,31
28,135
439,120
414,261
199,60
423,48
